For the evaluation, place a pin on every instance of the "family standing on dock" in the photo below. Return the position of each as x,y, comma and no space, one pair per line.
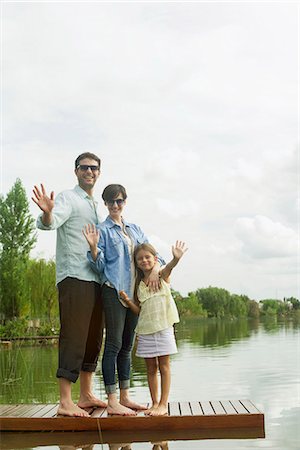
107,270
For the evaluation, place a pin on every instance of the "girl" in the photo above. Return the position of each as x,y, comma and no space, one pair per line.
157,314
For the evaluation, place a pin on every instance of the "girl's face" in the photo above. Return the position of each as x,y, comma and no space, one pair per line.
115,207
145,260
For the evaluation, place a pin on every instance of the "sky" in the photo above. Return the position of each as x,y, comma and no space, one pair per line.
192,106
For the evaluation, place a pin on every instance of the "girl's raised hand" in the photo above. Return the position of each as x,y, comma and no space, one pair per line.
91,233
179,249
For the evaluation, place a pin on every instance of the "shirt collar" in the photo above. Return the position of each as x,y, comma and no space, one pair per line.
83,194
112,224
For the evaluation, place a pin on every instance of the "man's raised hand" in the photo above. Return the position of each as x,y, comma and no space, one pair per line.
44,202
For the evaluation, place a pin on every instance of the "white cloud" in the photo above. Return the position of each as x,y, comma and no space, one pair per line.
262,238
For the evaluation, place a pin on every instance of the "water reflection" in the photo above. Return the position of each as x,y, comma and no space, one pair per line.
125,440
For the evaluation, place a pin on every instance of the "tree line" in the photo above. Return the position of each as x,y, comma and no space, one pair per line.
28,293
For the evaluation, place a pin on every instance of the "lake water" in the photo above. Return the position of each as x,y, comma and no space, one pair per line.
216,360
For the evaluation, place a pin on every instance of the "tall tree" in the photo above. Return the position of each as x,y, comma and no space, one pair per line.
40,277
17,238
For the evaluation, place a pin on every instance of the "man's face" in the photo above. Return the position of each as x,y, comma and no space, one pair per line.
87,173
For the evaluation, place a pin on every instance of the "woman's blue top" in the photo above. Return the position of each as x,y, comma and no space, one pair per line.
113,259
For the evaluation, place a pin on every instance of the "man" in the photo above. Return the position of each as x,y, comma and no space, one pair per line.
79,291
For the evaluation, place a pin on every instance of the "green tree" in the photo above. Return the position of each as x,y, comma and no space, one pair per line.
40,277
17,238
215,301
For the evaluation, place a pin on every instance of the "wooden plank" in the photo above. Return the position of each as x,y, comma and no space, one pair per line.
185,409
196,409
98,412
52,412
174,409
133,423
17,411
6,408
229,409
250,407
239,407
31,410
218,408
207,408
42,412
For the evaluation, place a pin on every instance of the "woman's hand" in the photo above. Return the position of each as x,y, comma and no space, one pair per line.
153,281
92,234
179,249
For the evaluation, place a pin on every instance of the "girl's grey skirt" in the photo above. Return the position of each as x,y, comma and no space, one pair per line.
157,344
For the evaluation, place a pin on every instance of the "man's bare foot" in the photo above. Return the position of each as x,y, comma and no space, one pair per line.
70,409
148,411
90,401
120,410
161,410
132,405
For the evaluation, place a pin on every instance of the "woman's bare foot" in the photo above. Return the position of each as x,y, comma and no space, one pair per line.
120,410
90,401
161,410
70,409
132,405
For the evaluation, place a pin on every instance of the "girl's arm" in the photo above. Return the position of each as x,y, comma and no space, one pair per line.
132,305
178,251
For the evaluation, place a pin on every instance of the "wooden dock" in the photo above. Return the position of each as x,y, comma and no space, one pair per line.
204,415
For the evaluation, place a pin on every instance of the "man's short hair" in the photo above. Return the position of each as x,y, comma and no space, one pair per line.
87,155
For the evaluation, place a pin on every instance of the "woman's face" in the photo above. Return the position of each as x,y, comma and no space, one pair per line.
115,207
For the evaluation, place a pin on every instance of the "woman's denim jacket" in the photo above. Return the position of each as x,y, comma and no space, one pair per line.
113,259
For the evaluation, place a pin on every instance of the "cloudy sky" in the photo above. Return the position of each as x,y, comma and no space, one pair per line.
192,106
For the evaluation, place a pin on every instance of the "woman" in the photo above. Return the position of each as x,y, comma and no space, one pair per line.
111,255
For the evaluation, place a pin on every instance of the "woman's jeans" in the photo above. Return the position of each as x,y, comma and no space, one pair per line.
120,323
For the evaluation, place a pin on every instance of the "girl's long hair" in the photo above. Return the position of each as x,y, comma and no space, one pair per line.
139,274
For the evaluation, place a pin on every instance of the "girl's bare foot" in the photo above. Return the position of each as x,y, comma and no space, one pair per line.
90,401
149,410
72,410
161,410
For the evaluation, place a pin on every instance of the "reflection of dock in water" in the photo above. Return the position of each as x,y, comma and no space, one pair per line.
226,419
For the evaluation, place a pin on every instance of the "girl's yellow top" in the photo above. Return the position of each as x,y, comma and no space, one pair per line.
158,309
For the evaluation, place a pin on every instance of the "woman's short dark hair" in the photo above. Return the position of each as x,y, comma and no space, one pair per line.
112,191
87,155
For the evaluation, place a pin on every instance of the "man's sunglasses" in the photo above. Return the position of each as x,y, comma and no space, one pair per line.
86,167
118,201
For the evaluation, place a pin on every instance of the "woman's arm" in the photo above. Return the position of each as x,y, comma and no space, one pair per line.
132,305
91,233
96,254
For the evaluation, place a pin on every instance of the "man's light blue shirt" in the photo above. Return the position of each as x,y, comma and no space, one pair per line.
72,210
113,259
